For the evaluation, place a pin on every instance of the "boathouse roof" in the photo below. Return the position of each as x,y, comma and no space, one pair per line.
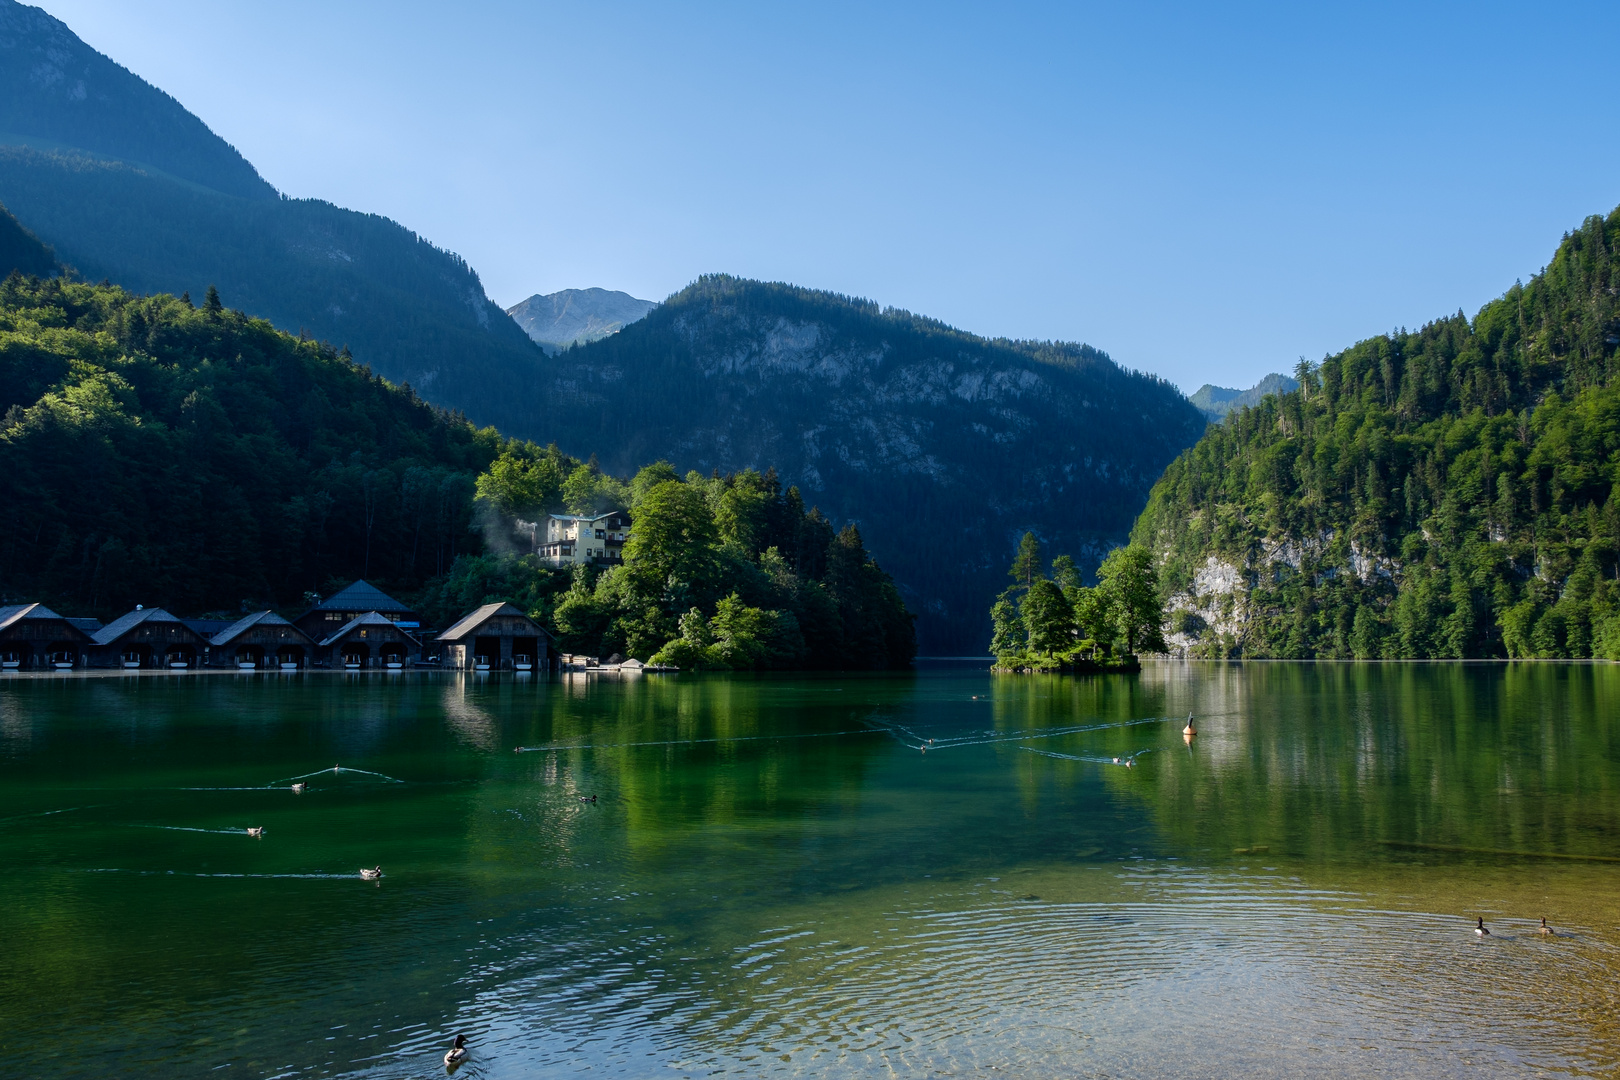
479,616
125,623
370,618
15,613
360,596
258,618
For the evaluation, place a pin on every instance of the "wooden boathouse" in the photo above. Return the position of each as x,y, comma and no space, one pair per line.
496,637
148,638
35,638
262,641
370,640
331,615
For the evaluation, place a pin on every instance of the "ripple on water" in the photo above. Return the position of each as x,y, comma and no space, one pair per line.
1178,974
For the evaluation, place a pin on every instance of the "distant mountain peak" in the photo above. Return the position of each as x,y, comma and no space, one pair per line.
1215,402
576,316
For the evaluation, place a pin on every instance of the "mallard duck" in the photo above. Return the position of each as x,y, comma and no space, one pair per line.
1545,929
457,1053
298,789
1189,729
1481,929
373,874
255,830
587,798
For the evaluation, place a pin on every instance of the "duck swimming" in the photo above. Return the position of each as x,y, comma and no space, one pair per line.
1545,929
457,1053
373,874
1480,929
587,798
298,789
258,830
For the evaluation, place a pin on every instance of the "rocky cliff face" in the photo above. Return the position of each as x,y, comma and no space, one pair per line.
557,320
941,445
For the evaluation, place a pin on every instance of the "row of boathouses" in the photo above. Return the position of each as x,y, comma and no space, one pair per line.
359,628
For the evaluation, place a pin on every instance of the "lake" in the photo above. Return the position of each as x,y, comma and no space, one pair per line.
937,873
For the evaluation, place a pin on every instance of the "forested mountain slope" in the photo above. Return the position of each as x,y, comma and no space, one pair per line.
1445,492
943,446
127,185
56,89
20,250
152,452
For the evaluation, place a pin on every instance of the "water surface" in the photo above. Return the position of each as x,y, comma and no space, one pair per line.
941,873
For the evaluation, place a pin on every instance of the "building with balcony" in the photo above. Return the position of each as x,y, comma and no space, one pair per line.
567,539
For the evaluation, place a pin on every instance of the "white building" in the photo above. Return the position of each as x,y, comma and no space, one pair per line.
572,538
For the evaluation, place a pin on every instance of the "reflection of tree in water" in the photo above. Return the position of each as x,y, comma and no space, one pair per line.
1340,761
671,757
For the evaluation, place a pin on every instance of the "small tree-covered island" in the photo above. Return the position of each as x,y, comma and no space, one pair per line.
1052,622
154,451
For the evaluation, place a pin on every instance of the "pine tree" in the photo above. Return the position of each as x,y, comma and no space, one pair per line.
1026,565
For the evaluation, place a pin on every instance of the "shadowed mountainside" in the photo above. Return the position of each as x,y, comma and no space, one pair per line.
127,185
943,446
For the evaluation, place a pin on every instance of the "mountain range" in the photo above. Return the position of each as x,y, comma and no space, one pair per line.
125,184
942,446
575,316
1216,402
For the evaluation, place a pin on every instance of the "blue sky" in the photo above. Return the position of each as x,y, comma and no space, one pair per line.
1205,192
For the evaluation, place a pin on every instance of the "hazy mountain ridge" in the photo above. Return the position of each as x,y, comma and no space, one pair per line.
557,320
942,445
1217,402
126,185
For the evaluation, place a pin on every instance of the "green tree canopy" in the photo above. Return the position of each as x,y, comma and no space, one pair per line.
1026,566
1048,618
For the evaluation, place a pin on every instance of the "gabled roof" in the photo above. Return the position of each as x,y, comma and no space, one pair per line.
258,618
588,517
476,618
207,627
360,596
12,613
370,618
89,626
125,623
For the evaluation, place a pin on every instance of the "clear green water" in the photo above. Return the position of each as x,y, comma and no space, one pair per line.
776,881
